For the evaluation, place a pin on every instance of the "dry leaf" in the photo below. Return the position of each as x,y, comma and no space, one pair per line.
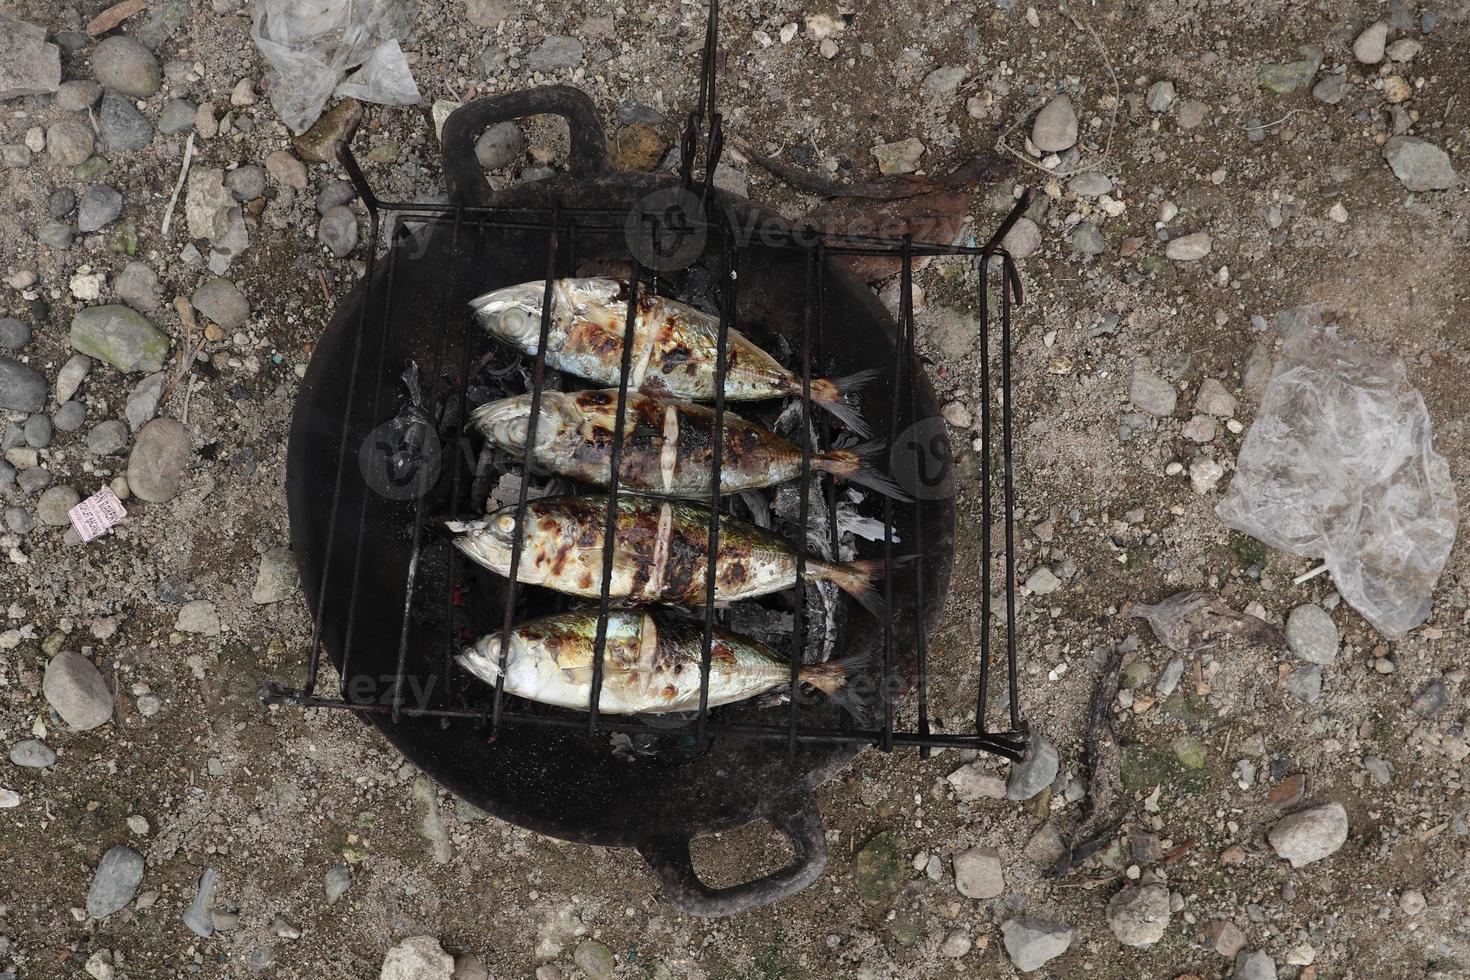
1192,621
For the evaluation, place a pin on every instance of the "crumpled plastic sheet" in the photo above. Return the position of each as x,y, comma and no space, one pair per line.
311,44
1340,465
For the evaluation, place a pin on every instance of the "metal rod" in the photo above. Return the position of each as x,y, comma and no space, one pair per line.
798,590
982,701
1010,497
908,357
907,282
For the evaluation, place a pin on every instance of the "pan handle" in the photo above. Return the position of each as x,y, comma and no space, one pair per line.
668,855
467,185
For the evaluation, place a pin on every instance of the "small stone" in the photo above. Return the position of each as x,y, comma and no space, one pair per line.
1304,683
556,52
1331,89
500,145
1024,238
28,64
334,193
1311,634
121,128
123,65
107,437
336,882
473,968
493,60
1191,113
1204,474
1200,429
243,94
222,301
207,203
1433,699
204,122
1214,400
156,465
14,334
1396,89
33,479
1035,772
901,157
487,13
637,147
1225,938
1286,77
197,916
119,336
957,414
1139,916
71,376
177,117
54,503
32,754
338,231
1412,902
1160,96
972,783
319,143
38,431
197,616
1189,751
1090,184
1369,46
69,142
1420,165
944,82
1031,943
137,286
1404,49
978,873
1310,835
1043,581
15,156
1189,248
115,881
1055,128
1087,239
286,169
1253,965
1150,393
78,95
56,234
594,959
76,690
69,417
246,183
276,578
956,944
99,207
22,388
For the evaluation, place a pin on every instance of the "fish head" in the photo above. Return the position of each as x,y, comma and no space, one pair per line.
482,658
512,314
508,421
488,541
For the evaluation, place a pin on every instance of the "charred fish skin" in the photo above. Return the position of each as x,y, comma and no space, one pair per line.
651,663
660,550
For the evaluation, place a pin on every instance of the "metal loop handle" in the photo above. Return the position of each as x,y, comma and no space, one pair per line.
467,184
669,857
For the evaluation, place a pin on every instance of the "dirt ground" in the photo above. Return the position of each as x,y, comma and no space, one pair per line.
273,799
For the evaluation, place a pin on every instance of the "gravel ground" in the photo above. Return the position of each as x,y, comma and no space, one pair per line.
1302,811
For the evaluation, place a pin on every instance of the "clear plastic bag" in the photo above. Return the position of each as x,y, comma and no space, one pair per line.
311,45
1340,464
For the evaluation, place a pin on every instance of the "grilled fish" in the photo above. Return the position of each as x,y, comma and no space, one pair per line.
674,345
650,663
668,445
659,552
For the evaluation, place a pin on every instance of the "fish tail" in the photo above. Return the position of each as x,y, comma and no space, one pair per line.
856,578
853,464
831,678
829,393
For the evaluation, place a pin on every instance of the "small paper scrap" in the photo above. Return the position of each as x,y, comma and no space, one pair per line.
93,516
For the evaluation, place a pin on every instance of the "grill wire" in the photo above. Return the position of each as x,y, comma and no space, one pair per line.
470,228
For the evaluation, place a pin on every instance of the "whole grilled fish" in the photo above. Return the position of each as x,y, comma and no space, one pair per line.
659,552
650,663
668,445
674,345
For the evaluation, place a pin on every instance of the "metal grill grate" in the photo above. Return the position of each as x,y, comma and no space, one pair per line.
469,229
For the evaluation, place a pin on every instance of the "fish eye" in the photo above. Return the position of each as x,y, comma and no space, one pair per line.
505,524
517,321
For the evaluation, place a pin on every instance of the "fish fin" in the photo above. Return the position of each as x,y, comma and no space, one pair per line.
856,578
829,394
852,464
831,679
463,527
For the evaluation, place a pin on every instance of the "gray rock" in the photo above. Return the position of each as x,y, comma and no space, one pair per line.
530,175
142,404
1090,184
1031,943
1055,128
126,66
336,882
335,192
32,754
978,873
594,959
78,95
28,64
493,60
156,465
1151,393
1087,239
1043,581
557,51
1160,96
1214,399
338,231
288,171
1432,700
1310,835
197,915
1139,916
1311,634
13,437
14,334
15,156
7,475
944,82
1283,78
121,337
197,616
70,416
78,692
972,782
207,203
19,520
276,578
1304,683
246,182
1169,677
1420,165
1024,238
1370,45
137,286
222,301
33,480
56,234
499,145
61,202
417,958
107,437
99,207
38,431
901,157
177,117
1253,965
224,248
1189,248
120,126
22,388
1035,772
115,881
164,21
69,142
1331,89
